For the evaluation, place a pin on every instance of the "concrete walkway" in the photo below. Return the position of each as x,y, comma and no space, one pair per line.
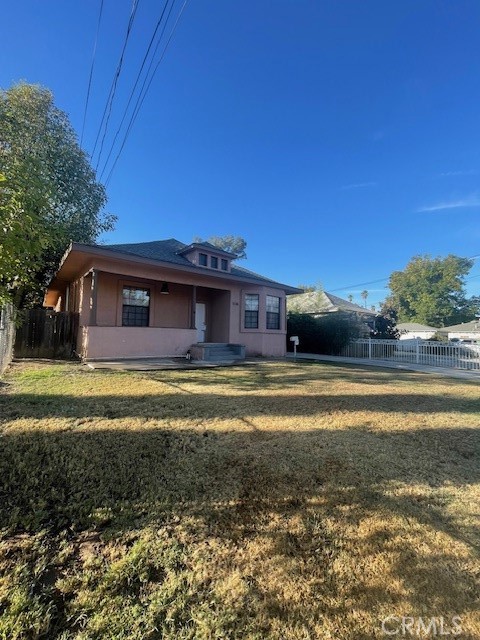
390,364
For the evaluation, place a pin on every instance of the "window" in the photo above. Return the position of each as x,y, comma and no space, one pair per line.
202,260
273,312
214,262
136,307
251,311
224,264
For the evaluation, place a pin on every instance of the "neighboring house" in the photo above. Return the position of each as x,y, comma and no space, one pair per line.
319,303
465,331
415,330
160,298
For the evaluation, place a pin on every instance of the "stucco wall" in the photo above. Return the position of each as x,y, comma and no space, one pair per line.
170,329
261,341
135,342
170,311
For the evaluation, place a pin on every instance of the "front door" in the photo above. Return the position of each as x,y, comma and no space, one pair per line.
200,324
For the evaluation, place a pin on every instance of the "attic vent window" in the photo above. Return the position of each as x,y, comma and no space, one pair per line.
202,259
214,262
224,264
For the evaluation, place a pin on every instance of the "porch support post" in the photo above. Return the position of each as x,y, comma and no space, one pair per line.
93,299
192,310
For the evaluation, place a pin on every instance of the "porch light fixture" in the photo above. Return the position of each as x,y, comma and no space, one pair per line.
164,288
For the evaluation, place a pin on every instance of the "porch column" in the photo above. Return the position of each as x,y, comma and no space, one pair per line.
93,298
192,310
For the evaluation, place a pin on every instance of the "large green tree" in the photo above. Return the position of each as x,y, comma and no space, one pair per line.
49,194
432,291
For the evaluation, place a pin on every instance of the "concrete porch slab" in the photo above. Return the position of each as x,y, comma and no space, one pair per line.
157,364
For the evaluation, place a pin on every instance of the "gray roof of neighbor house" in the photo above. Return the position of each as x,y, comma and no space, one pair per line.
414,326
473,325
171,251
324,302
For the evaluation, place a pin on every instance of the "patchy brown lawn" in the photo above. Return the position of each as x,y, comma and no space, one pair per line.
279,501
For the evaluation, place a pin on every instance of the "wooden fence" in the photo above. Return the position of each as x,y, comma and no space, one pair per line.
47,334
7,335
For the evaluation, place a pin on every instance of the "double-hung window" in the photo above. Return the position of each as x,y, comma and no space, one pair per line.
251,311
273,312
136,307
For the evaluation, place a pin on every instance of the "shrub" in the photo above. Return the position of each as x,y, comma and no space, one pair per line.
327,334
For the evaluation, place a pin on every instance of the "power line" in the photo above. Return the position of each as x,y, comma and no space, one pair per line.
132,92
108,106
364,284
361,284
141,98
91,71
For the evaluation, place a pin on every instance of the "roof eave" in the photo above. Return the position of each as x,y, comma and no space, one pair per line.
130,257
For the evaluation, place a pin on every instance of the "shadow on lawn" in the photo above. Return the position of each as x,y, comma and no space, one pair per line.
264,376
56,478
210,405
235,483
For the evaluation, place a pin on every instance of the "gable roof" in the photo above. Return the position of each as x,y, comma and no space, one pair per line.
324,302
473,325
414,326
171,252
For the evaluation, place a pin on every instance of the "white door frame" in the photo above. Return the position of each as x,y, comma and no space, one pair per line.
200,321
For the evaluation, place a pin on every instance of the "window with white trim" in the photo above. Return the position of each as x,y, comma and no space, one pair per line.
273,312
251,311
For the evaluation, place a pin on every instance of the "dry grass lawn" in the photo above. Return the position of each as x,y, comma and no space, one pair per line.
277,501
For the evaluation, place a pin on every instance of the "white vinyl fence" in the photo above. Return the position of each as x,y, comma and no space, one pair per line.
436,354
7,336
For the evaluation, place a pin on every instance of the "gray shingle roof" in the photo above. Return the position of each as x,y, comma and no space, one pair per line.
167,251
473,325
323,302
414,326
346,305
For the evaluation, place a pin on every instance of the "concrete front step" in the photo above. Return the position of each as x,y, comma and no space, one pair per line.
217,351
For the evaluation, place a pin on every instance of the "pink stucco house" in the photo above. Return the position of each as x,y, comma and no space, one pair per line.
162,298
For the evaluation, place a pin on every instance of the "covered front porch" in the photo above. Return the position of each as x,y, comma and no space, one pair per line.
121,317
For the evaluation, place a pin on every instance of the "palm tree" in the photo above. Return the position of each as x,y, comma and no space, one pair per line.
364,295
350,297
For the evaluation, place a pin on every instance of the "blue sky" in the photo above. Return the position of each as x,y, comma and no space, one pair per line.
339,138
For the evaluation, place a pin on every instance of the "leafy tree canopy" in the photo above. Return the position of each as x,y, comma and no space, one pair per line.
432,291
386,324
234,244
49,195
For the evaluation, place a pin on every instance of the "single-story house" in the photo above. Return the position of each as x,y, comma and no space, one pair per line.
160,298
320,303
415,331
464,331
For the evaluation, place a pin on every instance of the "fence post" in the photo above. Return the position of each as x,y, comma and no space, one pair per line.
417,352
369,348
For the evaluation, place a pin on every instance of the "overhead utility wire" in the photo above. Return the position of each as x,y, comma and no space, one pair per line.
141,100
117,133
363,284
91,71
113,88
